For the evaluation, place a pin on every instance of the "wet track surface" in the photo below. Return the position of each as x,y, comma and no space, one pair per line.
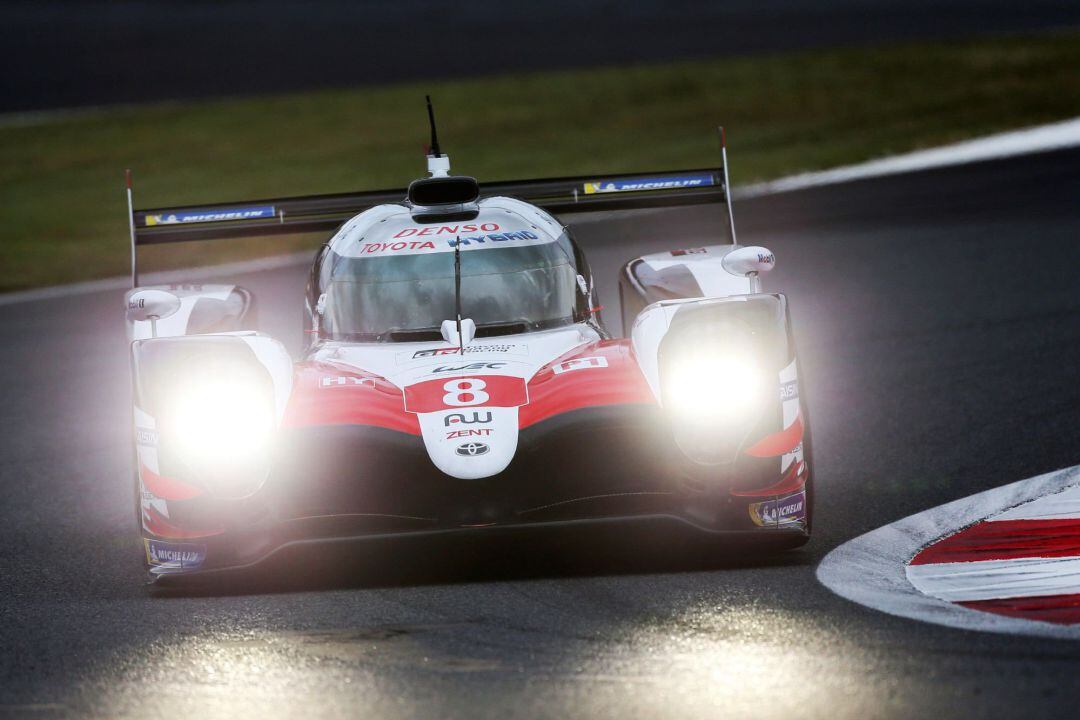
60,53
939,325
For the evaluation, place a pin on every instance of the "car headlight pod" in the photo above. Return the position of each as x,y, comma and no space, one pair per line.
713,387
718,381
216,402
219,422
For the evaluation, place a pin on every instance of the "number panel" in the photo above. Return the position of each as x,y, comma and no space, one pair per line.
466,392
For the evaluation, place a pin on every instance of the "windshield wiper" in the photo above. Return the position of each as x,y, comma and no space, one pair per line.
457,292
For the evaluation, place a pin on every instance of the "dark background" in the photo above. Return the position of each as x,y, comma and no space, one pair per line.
57,54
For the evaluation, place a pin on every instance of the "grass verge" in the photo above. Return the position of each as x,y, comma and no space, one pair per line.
61,178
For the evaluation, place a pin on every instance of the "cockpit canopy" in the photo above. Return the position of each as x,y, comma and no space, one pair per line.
387,278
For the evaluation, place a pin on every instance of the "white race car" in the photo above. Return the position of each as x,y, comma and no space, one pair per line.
457,377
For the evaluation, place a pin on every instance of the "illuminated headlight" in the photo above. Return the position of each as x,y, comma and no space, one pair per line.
711,388
220,424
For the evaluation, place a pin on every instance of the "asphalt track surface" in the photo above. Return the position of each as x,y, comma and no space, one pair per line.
939,324
63,53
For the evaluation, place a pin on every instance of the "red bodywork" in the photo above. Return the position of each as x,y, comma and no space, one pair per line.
370,400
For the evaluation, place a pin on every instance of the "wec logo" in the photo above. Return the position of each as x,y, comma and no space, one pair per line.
470,366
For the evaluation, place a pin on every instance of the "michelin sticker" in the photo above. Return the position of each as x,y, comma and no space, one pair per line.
211,215
788,510
648,183
186,556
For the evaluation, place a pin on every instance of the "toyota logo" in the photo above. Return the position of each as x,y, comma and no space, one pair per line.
472,449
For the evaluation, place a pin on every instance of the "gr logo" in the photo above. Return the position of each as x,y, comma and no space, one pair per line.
458,418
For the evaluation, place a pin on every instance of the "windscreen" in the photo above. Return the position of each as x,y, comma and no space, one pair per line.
407,297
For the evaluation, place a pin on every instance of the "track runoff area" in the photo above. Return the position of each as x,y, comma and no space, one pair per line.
1006,560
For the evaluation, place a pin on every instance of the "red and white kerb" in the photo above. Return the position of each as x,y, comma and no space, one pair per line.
1021,563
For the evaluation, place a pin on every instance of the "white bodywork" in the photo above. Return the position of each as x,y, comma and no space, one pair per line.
273,357
390,230
719,280
175,324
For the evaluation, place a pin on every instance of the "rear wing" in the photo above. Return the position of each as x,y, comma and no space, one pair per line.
324,213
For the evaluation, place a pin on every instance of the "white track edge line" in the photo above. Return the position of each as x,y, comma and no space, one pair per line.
1064,505
871,569
164,277
1042,138
1009,579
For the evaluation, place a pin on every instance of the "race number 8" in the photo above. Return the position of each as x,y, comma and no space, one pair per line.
464,392
444,393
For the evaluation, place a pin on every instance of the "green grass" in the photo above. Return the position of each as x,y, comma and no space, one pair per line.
64,217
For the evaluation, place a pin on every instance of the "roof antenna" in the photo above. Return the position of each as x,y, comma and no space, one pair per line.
727,187
131,230
434,132
437,163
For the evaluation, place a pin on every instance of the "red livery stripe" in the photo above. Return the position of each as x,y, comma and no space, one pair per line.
167,488
794,479
779,443
375,401
157,524
620,382
352,397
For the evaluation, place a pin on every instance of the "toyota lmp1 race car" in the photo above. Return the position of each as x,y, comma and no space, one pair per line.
457,377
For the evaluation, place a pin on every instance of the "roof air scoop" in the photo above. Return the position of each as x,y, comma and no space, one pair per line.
442,196
436,199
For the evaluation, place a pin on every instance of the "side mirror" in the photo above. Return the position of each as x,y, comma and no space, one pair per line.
152,305
147,304
747,260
